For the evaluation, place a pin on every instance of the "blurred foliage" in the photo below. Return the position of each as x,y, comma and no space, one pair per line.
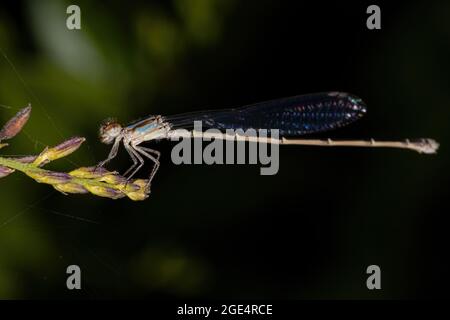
225,231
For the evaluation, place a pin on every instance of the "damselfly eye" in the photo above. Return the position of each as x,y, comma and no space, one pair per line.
109,131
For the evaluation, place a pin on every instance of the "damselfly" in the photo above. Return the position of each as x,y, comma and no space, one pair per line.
292,117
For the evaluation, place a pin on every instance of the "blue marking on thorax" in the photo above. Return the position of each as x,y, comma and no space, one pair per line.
147,128
142,127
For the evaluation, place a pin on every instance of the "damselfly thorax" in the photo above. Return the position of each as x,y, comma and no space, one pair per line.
152,128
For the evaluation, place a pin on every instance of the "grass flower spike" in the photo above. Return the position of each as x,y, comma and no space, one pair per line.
97,181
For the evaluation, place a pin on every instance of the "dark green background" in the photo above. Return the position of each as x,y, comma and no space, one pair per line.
225,231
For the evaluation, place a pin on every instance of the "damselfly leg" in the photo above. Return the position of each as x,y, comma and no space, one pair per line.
137,153
112,154
144,151
133,158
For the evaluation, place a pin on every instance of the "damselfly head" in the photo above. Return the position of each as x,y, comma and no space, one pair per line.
109,131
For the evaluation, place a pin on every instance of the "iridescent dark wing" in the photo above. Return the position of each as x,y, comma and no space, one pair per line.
292,116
